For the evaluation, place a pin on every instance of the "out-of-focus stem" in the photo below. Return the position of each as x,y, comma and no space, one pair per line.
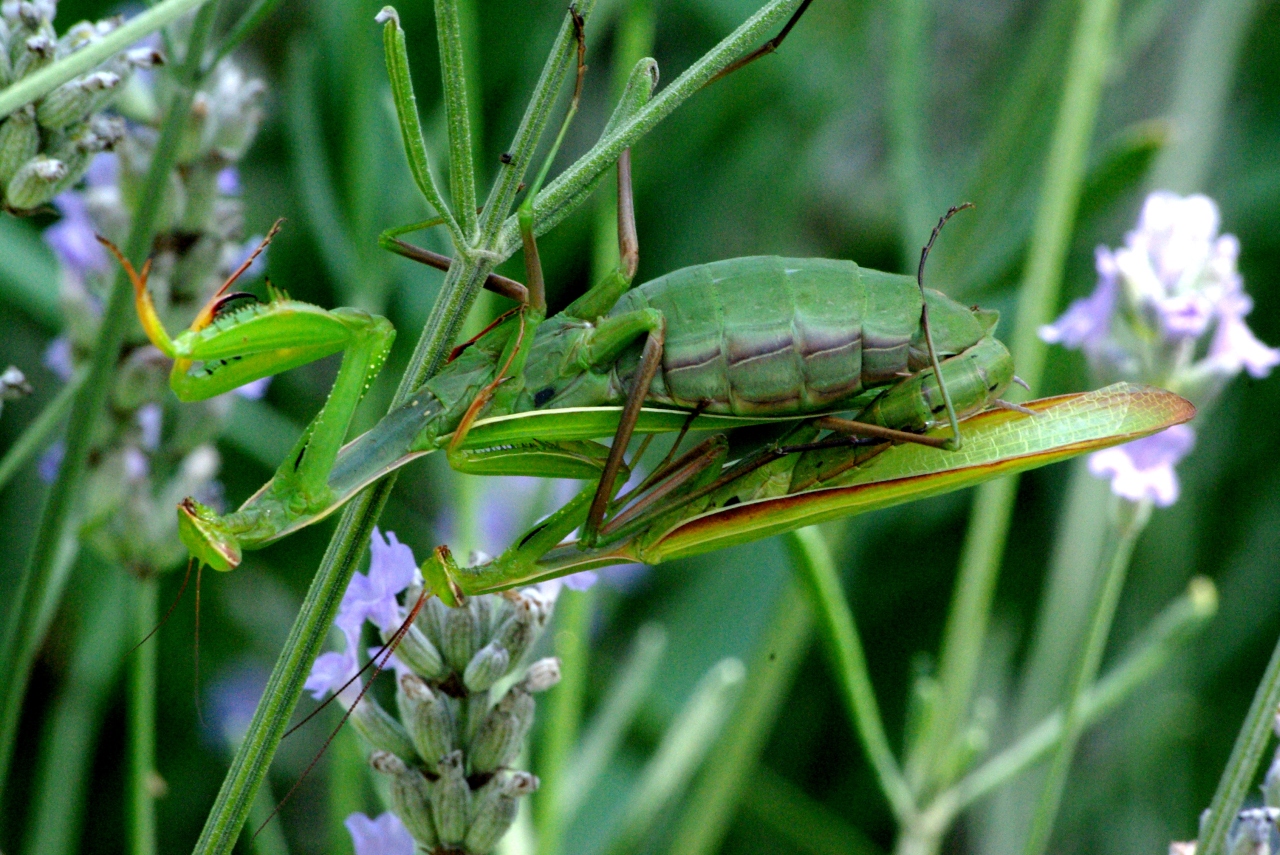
1133,520
24,636
993,504
840,636
142,720
1242,766
563,716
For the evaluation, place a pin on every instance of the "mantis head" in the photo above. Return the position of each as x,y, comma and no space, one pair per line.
206,536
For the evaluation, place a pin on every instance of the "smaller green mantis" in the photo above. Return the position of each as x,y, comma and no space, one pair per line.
715,496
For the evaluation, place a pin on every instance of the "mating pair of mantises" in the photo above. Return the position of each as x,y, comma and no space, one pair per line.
831,389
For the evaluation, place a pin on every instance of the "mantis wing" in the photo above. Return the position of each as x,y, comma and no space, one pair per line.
997,442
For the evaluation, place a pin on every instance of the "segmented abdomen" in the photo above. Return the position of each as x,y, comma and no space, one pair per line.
763,335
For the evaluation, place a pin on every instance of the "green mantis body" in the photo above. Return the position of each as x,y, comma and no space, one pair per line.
746,340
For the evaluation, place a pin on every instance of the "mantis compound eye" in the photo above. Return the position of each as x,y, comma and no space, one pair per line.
206,537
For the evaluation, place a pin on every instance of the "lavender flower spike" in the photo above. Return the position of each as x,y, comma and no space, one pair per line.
1169,310
385,835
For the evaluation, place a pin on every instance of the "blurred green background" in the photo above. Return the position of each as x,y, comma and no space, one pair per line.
805,153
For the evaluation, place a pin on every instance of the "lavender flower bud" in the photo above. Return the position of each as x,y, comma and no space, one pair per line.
39,52
19,142
485,668
35,182
417,651
71,102
459,637
542,675
517,633
381,730
427,717
494,809
450,800
1251,832
410,797
503,730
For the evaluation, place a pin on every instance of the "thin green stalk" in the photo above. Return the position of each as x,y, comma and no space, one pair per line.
46,80
1242,765
142,719
457,109
804,823
1134,520
249,20
617,711
908,66
728,776
993,503
563,717
840,637
68,742
551,204
1166,636
1206,71
22,639
461,285
35,438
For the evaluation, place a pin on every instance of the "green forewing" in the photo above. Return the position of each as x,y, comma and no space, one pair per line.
996,442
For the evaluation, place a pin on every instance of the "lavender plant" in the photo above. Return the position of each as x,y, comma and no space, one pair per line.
152,452
462,715
47,146
1169,309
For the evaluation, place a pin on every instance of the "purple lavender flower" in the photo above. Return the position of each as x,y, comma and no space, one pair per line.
58,358
1144,468
385,835
231,701
228,181
72,238
254,389
1087,321
332,671
150,419
372,597
1169,309
51,461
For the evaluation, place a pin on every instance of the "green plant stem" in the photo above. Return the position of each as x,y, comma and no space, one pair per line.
840,637
457,108
803,823
1206,70
908,66
728,776
1242,765
1133,519
563,716
461,285
1163,639
69,738
44,81
142,719
553,204
37,434
993,503
22,639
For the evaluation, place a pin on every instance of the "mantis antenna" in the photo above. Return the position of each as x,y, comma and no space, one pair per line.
924,322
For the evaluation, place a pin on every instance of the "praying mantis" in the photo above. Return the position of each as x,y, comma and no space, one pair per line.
749,341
